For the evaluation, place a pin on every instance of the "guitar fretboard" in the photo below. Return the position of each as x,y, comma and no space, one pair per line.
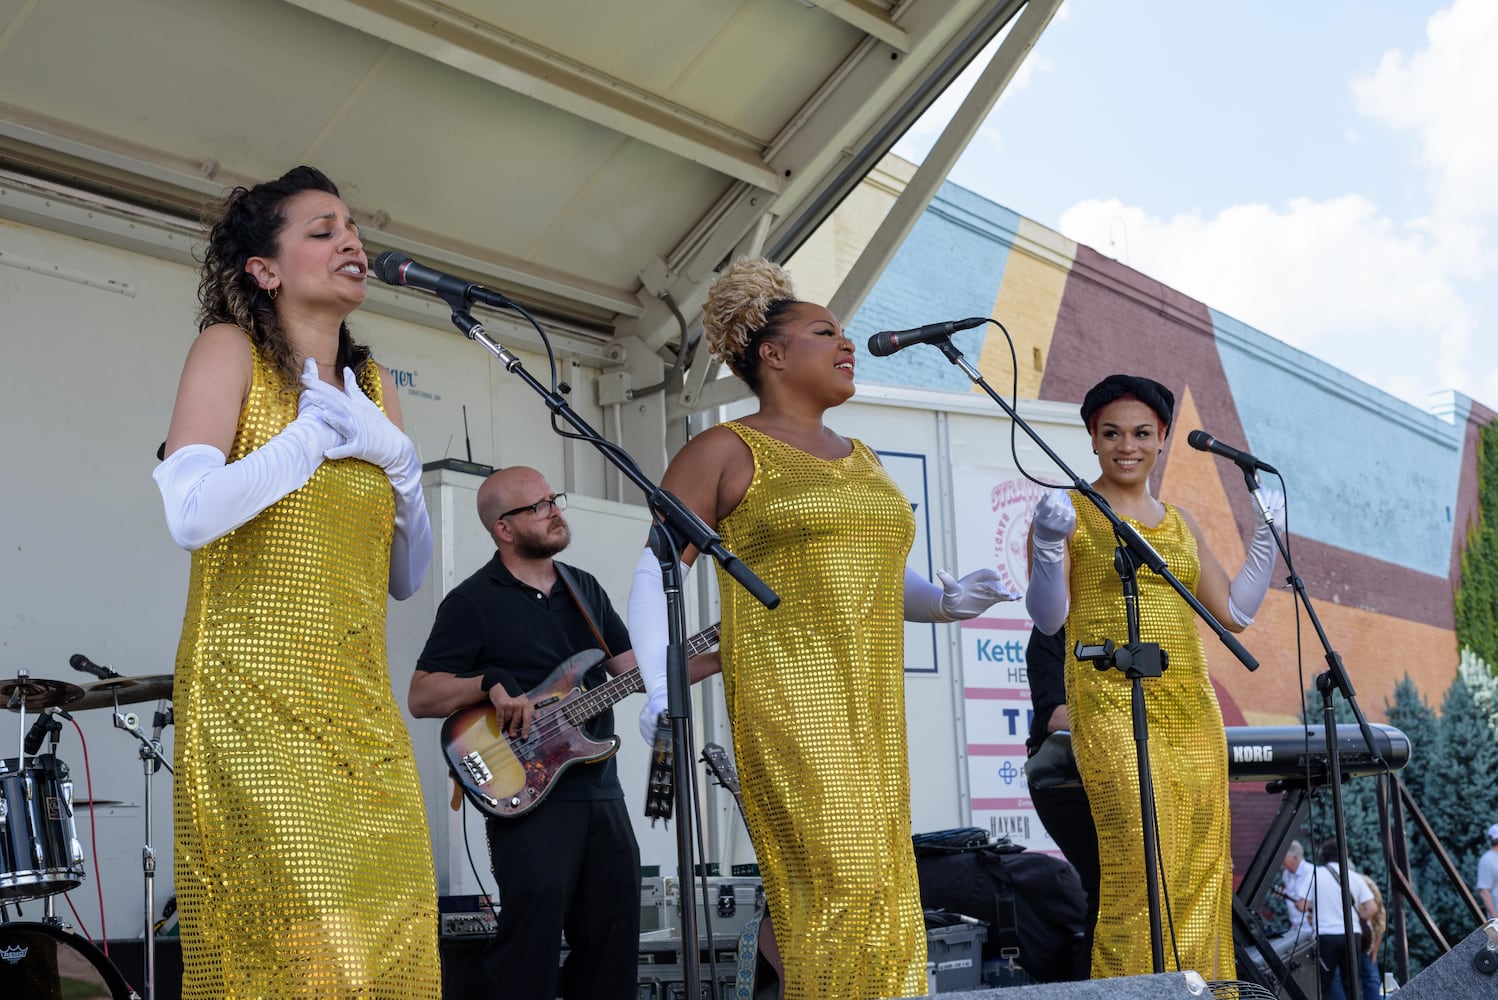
616,689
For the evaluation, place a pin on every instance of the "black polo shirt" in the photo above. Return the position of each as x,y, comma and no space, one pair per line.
492,622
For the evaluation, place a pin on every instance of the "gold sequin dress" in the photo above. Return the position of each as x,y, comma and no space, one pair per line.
1188,757
816,694
303,865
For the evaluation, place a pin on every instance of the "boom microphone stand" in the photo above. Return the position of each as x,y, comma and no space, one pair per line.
1133,551
674,519
1334,679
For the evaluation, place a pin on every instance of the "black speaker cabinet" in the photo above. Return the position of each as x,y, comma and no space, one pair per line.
1467,972
1166,986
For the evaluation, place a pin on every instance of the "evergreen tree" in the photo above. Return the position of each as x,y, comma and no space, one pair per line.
1463,813
1483,683
1417,720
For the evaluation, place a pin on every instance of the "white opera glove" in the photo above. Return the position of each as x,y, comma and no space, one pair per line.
372,437
206,496
1047,598
648,634
1248,588
955,599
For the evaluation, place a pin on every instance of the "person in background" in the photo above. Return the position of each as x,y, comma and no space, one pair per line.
815,689
1073,583
1325,905
570,865
1295,883
288,478
1487,874
1064,812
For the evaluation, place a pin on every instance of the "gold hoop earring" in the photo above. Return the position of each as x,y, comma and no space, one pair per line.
273,291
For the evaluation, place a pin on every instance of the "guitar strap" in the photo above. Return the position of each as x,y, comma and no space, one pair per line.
570,582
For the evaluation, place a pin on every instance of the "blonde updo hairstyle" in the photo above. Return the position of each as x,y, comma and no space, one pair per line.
744,308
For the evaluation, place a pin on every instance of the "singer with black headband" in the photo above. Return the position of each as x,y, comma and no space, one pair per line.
815,689
303,864
1073,583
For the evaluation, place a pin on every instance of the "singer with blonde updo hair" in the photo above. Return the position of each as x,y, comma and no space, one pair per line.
815,688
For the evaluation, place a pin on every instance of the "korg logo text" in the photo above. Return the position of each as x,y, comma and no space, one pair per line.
1250,755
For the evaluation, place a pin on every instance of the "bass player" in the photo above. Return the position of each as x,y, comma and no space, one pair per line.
570,865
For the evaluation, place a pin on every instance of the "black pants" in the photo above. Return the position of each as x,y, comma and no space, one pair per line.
1067,817
568,868
1329,958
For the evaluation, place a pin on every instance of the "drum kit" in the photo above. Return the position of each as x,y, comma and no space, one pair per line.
40,854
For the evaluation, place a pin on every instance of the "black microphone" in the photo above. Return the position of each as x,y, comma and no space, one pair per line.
44,722
1202,441
396,268
82,663
884,344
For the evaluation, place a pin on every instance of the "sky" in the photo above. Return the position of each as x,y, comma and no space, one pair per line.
1326,172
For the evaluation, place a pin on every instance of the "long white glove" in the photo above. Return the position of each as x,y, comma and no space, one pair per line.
648,634
372,437
1248,588
1047,598
955,599
206,496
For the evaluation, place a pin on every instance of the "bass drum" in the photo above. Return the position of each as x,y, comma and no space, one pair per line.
46,962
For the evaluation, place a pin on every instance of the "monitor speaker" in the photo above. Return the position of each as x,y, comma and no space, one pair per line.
1165,986
1467,972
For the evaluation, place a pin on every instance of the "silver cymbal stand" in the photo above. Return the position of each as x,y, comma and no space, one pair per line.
151,759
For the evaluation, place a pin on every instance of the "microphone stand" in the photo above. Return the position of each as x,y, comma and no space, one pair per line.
151,759
1133,551
676,526
1333,679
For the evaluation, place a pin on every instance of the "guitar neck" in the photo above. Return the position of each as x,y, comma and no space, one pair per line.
616,689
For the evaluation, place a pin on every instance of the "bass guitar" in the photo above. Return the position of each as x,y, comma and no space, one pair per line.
507,776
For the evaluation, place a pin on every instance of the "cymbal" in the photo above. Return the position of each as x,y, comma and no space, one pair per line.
125,691
38,693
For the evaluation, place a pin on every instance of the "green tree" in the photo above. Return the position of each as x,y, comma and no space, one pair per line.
1470,803
1417,720
1476,601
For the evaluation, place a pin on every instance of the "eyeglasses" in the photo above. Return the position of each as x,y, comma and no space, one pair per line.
544,507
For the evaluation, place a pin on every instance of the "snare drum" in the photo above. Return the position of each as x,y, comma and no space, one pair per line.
45,962
39,849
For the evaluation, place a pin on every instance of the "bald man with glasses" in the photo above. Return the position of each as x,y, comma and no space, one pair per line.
569,866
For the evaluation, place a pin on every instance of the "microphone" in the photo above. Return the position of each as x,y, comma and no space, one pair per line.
45,721
396,268
882,345
82,663
1202,441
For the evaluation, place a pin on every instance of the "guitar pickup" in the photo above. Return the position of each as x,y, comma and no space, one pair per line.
473,763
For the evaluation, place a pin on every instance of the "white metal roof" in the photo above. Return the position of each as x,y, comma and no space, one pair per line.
587,157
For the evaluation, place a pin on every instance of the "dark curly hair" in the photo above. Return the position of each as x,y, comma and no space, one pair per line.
247,224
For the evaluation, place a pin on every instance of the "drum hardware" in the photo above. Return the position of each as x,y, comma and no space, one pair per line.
117,691
151,760
37,693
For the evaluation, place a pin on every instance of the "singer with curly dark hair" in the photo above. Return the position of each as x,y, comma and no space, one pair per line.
288,477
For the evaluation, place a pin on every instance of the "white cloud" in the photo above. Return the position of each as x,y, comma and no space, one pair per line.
1335,278
1444,94
1395,303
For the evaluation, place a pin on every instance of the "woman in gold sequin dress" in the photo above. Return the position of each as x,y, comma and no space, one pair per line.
815,689
303,864
1073,582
